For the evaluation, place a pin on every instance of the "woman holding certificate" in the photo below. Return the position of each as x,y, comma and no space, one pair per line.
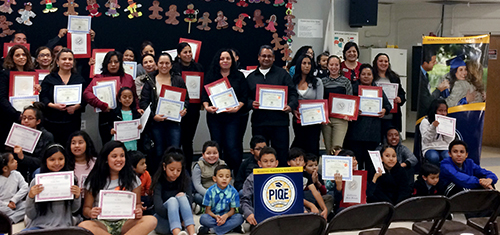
224,123
309,88
165,132
62,95
365,133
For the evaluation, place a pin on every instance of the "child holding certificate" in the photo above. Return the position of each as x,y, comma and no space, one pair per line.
13,188
434,145
113,171
126,110
51,214
82,155
311,167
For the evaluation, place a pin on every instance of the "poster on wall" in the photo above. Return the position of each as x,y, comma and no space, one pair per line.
310,28
453,72
340,38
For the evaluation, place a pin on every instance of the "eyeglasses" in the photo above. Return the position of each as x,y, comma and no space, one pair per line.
44,55
29,118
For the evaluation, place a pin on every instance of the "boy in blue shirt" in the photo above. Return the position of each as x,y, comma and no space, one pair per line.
221,201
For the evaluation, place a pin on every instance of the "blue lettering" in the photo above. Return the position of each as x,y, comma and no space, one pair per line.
279,194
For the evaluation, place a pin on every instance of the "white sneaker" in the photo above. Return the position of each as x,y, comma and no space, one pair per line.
183,233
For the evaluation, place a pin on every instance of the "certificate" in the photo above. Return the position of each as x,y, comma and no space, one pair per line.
127,130
446,125
194,81
311,115
390,89
224,100
310,103
217,86
117,204
370,106
337,164
376,160
20,102
173,53
7,46
145,117
42,74
130,68
369,91
354,192
23,83
56,186
79,43
98,56
195,47
170,109
68,94
342,106
23,136
173,93
106,93
79,24
271,97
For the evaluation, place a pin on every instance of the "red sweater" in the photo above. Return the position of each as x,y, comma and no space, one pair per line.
125,81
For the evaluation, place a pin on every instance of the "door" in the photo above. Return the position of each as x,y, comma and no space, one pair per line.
491,130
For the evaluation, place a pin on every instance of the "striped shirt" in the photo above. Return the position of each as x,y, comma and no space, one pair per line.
336,85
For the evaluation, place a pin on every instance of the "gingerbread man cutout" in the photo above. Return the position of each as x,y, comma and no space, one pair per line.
257,17
290,25
155,9
276,41
172,15
4,25
221,20
286,53
239,23
266,1
133,9
6,6
93,8
26,14
242,3
71,8
112,5
204,20
271,24
49,7
279,3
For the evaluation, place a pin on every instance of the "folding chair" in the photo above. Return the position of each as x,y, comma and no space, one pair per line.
58,231
296,224
361,217
5,224
488,225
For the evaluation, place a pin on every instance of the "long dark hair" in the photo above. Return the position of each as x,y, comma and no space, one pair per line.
301,51
37,107
172,154
9,64
90,151
107,58
431,115
99,175
215,66
133,106
310,79
391,75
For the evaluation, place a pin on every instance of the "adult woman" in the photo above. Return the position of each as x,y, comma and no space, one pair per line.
165,133
350,66
43,58
224,127
462,90
149,65
129,54
334,132
304,50
365,133
146,48
60,119
112,66
184,62
382,72
309,88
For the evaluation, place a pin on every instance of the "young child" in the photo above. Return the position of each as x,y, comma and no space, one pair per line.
256,144
428,182
459,173
267,159
126,110
393,186
172,195
311,167
55,213
82,155
113,171
13,188
296,158
434,145
138,161
221,201
203,170
322,62
334,187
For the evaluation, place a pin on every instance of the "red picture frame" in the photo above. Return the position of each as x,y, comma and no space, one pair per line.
41,71
109,79
254,67
8,45
377,88
275,87
394,106
222,80
342,116
12,80
198,47
89,51
190,73
323,102
94,52
173,88
364,176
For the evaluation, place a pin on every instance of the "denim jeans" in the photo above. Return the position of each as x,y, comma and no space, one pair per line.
231,223
224,129
278,136
165,134
436,156
198,198
177,207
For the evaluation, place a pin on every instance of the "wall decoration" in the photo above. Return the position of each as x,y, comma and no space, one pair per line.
112,5
242,3
287,52
271,24
4,25
290,25
48,6
204,21
132,8
71,5
191,15
278,3
258,17
276,41
6,6
240,22
26,14
156,9
92,8
266,1
253,1
172,15
221,20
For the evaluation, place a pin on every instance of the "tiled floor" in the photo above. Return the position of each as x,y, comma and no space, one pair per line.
490,159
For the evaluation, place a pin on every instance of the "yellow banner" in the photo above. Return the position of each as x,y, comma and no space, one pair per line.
260,171
456,40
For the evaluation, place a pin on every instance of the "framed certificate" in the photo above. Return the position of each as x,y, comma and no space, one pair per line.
337,164
217,86
98,56
23,136
194,81
117,204
252,67
20,102
224,100
354,191
173,93
113,80
23,83
308,103
446,125
173,53
170,109
390,89
7,46
56,186
370,91
370,106
105,93
312,114
127,130
394,106
342,106
145,117
79,43
68,94
79,24
376,160
195,47
41,74
271,97
130,68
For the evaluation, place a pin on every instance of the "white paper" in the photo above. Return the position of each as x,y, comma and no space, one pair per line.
79,24
145,117
193,84
172,53
23,136
370,106
221,87
352,190
246,72
23,85
310,28
446,125
369,93
343,106
99,58
117,204
79,43
20,102
130,68
224,100
390,89
68,94
272,99
172,95
127,130
337,164
377,160
312,115
106,94
170,109
42,76
194,49
56,186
